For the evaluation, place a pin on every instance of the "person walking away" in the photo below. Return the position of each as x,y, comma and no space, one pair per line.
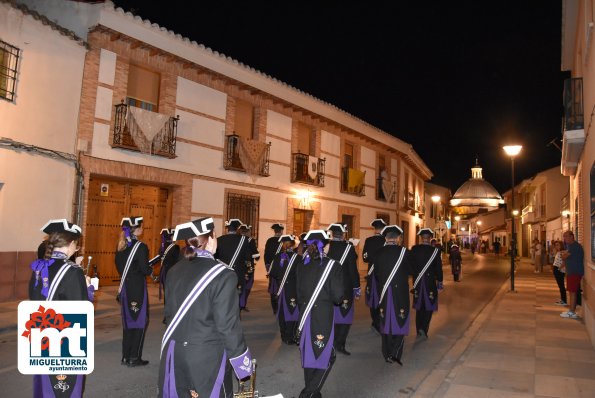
574,257
497,248
371,245
392,270
272,247
456,262
532,250
319,289
170,255
538,253
344,254
246,230
427,277
132,263
559,270
204,340
56,278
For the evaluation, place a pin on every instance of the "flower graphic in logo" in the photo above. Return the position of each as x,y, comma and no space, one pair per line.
43,319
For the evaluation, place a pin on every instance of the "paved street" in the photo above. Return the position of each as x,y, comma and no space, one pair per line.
363,374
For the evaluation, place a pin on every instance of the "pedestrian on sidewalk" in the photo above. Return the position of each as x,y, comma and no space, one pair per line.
456,262
559,269
574,257
538,254
532,250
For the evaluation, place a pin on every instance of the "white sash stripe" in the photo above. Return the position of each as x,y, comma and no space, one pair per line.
317,290
289,265
345,253
127,266
57,279
167,250
232,263
392,273
423,271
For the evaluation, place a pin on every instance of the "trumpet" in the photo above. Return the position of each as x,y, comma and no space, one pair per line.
247,388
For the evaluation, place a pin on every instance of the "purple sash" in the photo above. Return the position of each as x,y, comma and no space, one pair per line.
49,386
372,297
288,316
389,324
423,294
346,319
216,392
273,286
128,322
169,380
309,359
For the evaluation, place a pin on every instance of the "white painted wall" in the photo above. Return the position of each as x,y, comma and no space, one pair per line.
44,114
201,98
279,125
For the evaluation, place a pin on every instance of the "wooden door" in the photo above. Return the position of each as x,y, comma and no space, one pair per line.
109,202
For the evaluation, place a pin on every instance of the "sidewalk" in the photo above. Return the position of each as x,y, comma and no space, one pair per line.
519,346
105,305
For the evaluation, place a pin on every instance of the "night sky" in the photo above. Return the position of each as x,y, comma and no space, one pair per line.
455,79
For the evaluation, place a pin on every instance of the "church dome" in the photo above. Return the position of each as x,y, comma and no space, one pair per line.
476,193
475,188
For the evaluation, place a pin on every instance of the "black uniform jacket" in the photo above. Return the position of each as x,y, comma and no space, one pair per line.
135,283
270,249
348,267
322,314
384,262
372,244
72,287
172,256
210,327
277,272
420,254
226,248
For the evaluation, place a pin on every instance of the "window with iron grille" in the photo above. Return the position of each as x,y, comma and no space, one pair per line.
245,208
9,57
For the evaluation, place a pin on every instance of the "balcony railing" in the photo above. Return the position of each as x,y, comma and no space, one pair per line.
232,159
573,104
390,189
303,169
353,181
527,214
123,139
411,200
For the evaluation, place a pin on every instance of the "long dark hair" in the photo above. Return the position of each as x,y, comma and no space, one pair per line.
59,239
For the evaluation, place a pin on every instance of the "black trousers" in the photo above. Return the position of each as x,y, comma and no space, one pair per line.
287,328
132,343
560,281
422,320
392,345
375,315
341,332
315,379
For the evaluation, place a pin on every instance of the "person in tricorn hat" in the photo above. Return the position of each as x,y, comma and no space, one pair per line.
204,340
344,253
456,262
319,288
392,269
427,277
170,255
132,263
246,230
272,247
55,278
371,245
283,271
233,249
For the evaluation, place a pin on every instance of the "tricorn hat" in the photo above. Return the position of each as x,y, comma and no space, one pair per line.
61,226
378,223
426,231
247,227
131,221
316,234
233,223
336,227
391,228
277,226
286,238
194,228
167,231
302,236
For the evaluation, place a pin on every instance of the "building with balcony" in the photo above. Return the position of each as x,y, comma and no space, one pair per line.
41,73
171,130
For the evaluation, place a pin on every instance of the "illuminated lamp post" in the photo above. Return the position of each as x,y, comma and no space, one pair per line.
436,200
512,151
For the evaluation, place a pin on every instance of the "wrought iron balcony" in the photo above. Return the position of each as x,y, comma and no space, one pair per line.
123,139
573,104
353,181
303,170
390,189
232,158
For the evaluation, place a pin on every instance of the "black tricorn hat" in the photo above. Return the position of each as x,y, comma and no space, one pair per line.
302,236
286,238
316,234
194,228
167,231
246,227
378,223
277,226
336,227
234,223
426,231
61,226
131,221
392,228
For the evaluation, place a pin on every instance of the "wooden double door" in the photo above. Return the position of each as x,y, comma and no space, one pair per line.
109,201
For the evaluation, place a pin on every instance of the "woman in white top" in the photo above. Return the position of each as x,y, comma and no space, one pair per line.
538,252
559,269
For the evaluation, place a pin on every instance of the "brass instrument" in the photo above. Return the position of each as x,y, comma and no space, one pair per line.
247,388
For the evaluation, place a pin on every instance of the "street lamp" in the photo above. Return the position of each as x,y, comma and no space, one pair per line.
436,199
457,219
512,151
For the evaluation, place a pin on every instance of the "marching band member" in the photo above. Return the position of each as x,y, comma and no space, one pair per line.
170,255
371,245
344,253
392,270
427,268
204,338
319,288
132,262
283,271
246,230
55,277
233,249
272,247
